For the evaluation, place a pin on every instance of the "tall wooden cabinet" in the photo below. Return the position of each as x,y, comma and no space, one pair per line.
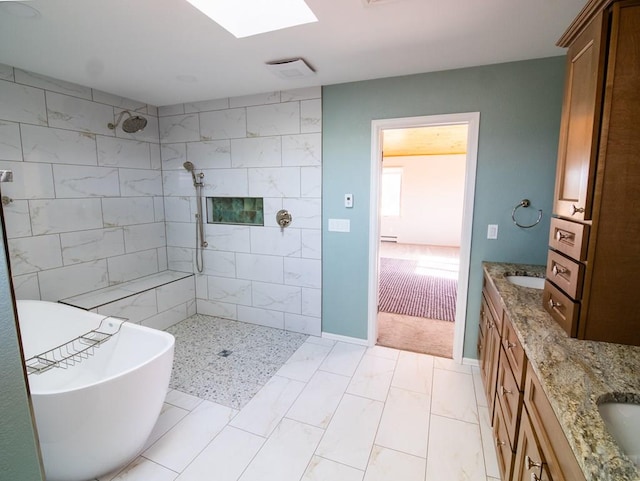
593,266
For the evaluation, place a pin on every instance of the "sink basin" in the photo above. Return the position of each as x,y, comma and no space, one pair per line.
527,281
623,422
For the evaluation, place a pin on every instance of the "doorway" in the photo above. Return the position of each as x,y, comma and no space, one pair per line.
422,185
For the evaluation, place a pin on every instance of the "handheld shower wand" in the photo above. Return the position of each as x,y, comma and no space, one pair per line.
200,242
189,167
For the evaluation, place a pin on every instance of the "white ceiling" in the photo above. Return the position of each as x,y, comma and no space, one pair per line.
140,48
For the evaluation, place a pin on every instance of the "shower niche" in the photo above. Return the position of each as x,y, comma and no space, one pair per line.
235,210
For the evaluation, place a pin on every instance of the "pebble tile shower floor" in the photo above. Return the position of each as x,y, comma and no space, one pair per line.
225,361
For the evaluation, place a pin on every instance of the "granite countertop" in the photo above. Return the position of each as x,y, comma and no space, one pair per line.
575,375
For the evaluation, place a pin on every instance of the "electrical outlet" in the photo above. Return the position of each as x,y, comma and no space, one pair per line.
492,231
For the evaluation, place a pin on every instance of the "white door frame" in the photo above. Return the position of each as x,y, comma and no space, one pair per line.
377,126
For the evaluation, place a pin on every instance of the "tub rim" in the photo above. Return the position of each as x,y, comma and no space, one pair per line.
125,324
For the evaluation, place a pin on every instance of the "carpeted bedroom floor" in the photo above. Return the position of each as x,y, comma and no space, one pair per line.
416,334
412,333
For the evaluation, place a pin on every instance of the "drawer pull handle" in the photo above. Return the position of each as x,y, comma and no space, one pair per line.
500,443
510,345
562,235
535,477
575,210
531,464
504,390
554,305
558,269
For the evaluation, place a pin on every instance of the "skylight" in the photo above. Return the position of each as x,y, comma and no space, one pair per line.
244,18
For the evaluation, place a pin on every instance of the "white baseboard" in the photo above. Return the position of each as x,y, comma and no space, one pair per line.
470,362
350,340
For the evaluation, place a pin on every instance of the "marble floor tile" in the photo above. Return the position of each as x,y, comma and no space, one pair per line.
286,454
225,458
319,399
333,412
455,451
182,400
451,365
453,395
405,422
143,469
414,372
304,362
170,415
343,359
481,398
178,447
387,464
350,434
321,469
321,341
385,352
488,443
373,377
263,413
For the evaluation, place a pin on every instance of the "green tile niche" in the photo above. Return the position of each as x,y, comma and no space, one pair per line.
235,210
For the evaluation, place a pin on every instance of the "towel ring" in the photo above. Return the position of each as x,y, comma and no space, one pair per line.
524,203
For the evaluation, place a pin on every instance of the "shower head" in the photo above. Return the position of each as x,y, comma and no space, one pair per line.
189,167
131,125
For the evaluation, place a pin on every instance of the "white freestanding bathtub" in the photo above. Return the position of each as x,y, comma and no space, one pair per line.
96,415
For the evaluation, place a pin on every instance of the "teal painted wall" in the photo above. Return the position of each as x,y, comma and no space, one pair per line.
519,105
19,458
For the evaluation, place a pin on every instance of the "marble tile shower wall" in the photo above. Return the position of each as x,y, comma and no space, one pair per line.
87,208
266,145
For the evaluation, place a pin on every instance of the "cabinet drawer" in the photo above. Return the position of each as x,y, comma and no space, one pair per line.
510,400
570,238
562,309
566,274
514,352
494,303
504,453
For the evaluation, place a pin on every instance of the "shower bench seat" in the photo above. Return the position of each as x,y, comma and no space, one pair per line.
158,300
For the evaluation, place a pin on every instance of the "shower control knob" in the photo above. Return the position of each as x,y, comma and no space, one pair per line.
283,218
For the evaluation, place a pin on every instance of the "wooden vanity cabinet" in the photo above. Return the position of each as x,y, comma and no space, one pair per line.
509,397
598,175
489,342
579,128
504,450
530,444
555,453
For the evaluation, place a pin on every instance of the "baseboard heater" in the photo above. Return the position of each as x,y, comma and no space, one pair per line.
389,238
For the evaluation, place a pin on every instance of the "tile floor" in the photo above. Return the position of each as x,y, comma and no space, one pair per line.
225,361
332,412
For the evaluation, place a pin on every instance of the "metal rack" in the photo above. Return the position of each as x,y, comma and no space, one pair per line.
76,350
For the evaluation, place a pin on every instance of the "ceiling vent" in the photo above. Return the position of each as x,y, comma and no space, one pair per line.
292,68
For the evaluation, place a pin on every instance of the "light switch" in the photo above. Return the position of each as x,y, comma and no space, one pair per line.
492,231
348,200
339,225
